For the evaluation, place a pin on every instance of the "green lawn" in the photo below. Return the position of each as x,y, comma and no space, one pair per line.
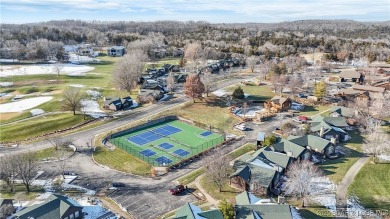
211,111
242,150
189,178
313,110
119,159
20,192
258,93
337,168
227,193
43,124
372,186
189,138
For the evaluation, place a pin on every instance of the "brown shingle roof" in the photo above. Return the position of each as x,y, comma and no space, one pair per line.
368,88
349,74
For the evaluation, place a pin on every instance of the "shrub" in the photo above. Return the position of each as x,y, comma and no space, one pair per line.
238,93
270,140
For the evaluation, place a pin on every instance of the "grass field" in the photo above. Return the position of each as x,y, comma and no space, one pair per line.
23,130
337,168
313,110
372,186
258,93
188,139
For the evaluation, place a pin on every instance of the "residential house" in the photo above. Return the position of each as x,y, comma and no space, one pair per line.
330,127
116,51
291,149
314,144
340,111
362,93
351,75
191,211
277,104
117,103
156,94
264,211
279,161
56,206
256,175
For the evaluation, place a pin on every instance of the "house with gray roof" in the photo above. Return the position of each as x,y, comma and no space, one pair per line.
291,149
341,111
330,127
56,206
263,211
191,211
256,175
248,206
315,144
116,51
117,103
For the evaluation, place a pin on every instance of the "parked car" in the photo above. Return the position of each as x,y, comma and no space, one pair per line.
301,96
69,173
118,184
241,127
177,190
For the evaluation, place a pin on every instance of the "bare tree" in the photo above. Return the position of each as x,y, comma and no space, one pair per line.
300,177
278,82
59,143
128,70
6,210
8,171
294,84
57,68
217,166
208,82
377,141
252,62
26,165
72,99
193,87
170,82
194,52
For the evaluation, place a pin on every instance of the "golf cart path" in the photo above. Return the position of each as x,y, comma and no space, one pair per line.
203,191
341,193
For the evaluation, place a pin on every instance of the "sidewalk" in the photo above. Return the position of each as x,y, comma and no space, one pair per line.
203,191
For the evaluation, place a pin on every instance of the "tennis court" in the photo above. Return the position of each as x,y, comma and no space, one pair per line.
167,143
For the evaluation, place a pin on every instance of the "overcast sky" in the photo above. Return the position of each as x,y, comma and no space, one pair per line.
215,11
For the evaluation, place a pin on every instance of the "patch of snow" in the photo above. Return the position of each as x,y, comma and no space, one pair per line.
220,93
22,105
69,179
260,163
93,93
90,106
76,74
6,84
135,104
77,85
43,69
324,192
35,112
357,211
80,188
74,58
9,60
295,213
384,157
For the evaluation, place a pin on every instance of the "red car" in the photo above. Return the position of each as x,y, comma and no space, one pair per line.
177,190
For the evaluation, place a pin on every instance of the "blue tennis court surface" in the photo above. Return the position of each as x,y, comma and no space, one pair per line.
204,134
147,153
181,152
165,146
166,130
163,160
153,134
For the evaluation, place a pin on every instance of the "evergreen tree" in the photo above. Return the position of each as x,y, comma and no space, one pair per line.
227,209
238,93
320,90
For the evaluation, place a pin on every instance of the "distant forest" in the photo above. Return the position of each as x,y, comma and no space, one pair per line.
370,40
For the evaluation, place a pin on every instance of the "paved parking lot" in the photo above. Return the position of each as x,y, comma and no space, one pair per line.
150,201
